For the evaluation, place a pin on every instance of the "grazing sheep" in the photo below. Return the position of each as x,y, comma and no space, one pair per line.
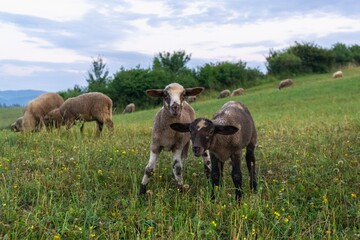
238,92
175,109
191,98
16,126
285,83
338,74
87,107
231,129
224,93
130,108
36,110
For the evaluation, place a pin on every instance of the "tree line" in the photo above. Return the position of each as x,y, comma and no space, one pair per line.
129,85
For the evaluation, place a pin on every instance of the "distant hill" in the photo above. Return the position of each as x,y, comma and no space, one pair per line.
18,97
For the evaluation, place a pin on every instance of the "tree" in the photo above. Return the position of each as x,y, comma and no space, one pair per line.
98,76
172,62
342,54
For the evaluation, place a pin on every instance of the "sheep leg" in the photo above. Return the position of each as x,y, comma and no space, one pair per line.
149,171
236,175
177,167
250,163
207,163
109,124
99,128
216,169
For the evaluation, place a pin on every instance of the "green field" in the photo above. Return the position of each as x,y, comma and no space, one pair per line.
61,185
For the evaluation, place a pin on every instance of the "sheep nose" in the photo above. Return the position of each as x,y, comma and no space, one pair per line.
197,151
175,107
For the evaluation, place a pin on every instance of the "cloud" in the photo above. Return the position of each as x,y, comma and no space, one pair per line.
57,10
18,45
206,40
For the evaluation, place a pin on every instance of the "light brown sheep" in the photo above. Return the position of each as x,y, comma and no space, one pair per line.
285,83
230,131
87,107
130,108
238,92
175,109
16,126
338,74
36,110
191,98
224,93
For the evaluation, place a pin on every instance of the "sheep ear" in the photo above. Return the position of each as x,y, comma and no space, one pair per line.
193,91
180,127
225,130
155,92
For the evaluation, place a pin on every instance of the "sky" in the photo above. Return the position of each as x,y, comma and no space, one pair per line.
50,45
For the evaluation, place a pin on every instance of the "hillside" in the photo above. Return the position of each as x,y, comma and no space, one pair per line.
18,97
64,185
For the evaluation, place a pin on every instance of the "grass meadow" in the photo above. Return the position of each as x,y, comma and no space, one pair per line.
62,185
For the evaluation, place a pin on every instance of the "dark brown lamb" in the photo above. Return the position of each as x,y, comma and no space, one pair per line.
230,131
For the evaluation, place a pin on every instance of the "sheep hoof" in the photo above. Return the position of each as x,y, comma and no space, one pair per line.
142,189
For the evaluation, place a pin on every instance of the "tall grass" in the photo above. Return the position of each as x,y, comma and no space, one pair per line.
62,185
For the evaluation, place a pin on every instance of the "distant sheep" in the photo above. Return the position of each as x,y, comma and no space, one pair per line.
174,109
238,92
338,74
16,126
285,83
224,93
191,98
231,129
87,107
36,110
130,108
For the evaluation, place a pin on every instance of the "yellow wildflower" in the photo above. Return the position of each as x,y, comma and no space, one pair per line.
277,215
100,172
57,237
353,195
214,223
324,199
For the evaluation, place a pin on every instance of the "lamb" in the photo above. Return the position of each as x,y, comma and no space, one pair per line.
175,109
16,126
231,129
36,110
224,93
285,83
130,108
238,92
94,106
338,74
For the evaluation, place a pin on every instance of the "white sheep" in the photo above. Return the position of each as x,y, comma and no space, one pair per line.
338,74
224,93
130,108
285,83
175,109
231,129
36,110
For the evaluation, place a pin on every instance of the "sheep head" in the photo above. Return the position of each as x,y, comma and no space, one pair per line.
202,133
53,118
173,96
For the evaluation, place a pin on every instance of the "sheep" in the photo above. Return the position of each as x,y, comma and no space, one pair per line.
231,129
338,74
36,110
130,108
16,126
238,92
191,99
94,106
174,109
285,83
224,93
